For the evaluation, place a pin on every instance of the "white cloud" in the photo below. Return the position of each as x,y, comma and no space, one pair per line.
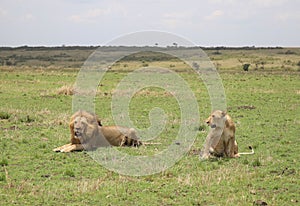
89,16
171,23
285,17
27,17
256,3
176,19
267,3
3,12
92,15
177,15
214,15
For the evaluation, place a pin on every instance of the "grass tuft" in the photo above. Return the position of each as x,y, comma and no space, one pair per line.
69,173
2,178
4,162
65,90
256,163
4,115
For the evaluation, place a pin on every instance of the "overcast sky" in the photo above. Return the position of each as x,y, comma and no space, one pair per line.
96,22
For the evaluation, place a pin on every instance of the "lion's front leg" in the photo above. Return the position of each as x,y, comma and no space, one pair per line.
73,147
58,149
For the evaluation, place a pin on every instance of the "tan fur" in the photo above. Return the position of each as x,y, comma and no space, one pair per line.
87,133
221,138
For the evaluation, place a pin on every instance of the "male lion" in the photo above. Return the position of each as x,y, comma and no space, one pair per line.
221,139
87,133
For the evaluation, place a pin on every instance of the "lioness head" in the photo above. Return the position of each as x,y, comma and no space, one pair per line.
216,119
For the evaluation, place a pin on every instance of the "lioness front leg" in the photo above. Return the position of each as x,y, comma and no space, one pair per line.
229,150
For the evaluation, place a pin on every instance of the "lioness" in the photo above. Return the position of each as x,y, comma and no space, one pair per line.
221,138
87,133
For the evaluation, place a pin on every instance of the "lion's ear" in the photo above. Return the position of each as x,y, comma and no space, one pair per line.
98,120
224,113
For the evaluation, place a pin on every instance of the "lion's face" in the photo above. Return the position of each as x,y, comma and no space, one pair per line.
216,119
80,126
84,125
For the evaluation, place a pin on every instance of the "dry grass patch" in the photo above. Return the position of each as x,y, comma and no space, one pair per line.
66,90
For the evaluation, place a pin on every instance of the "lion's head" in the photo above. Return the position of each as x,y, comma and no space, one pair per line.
216,119
83,126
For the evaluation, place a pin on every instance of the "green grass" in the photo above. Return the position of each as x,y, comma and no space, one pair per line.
264,104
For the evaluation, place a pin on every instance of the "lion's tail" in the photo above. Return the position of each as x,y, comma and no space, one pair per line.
247,153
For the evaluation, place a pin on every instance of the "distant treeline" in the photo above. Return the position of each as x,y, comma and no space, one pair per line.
75,56
46,48
115,48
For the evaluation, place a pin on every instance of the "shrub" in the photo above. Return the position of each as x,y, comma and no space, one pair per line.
216,53
288,52
246,67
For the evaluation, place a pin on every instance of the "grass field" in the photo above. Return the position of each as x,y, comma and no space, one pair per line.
264,103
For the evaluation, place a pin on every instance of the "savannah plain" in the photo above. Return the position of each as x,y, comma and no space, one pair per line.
36,104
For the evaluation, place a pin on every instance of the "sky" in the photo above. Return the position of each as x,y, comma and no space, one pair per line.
97,22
